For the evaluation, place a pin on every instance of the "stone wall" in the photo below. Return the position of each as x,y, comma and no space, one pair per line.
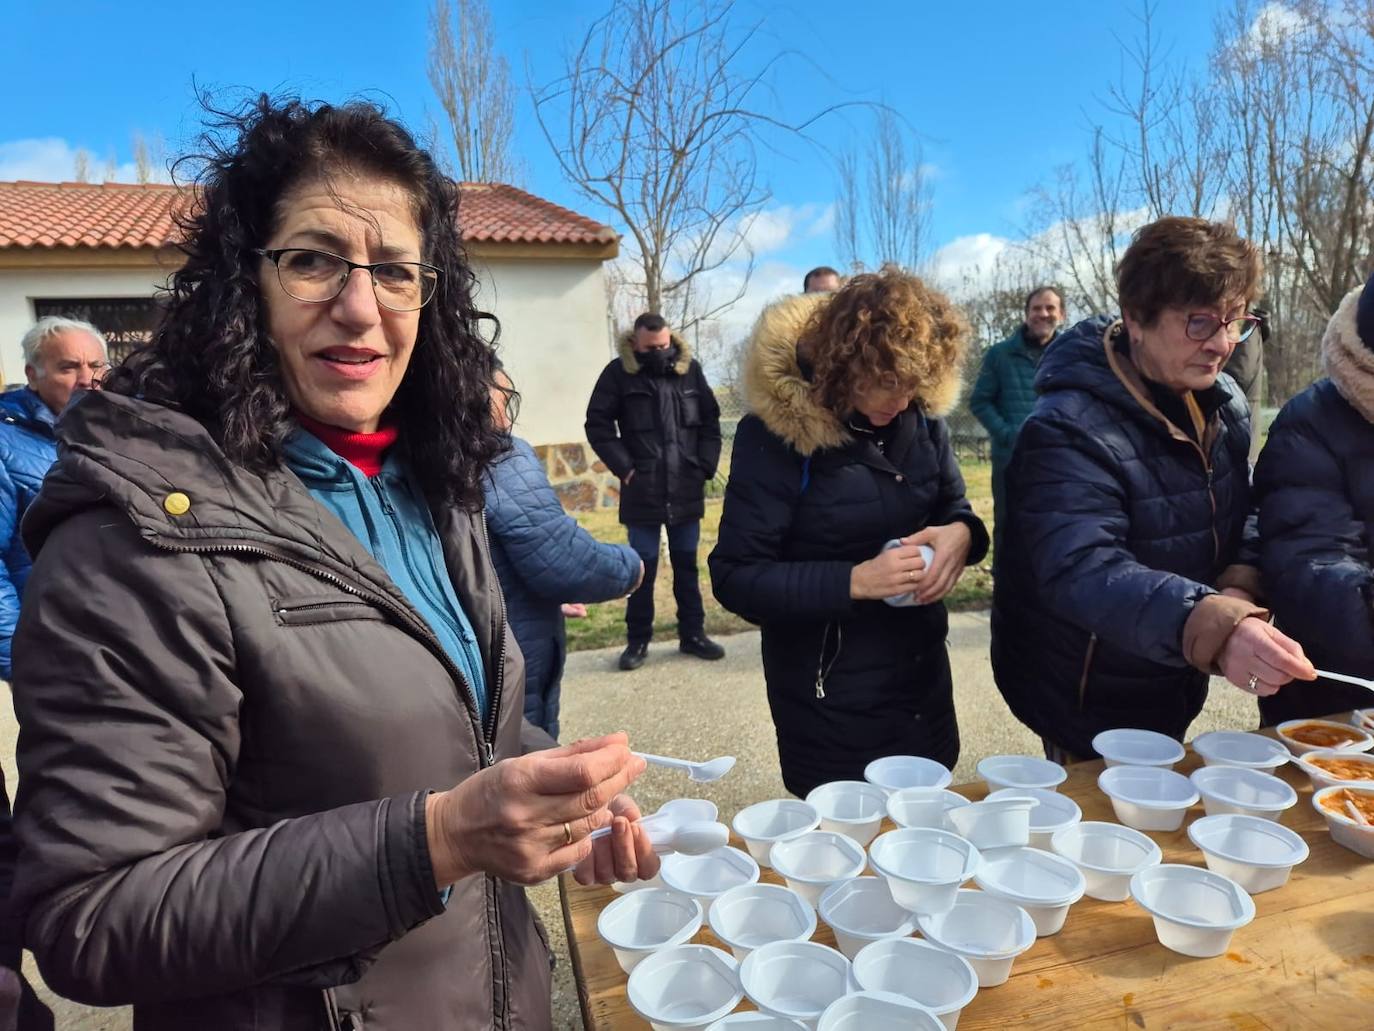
580,479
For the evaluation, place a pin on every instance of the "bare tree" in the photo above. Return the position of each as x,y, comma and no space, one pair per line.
659,119
150,158
472,83
890,197
81,166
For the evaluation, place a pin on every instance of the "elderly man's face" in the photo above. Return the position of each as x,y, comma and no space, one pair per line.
67,362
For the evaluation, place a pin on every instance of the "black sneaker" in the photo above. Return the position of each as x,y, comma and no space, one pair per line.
702,647
634,655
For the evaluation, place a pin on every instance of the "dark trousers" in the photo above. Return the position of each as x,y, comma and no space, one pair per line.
682,554
999,509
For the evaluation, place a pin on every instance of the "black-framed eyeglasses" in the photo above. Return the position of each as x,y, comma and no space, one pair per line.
1202,327
317,276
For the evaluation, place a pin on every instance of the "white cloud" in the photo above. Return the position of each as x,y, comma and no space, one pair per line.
1274,23
967,258
53,159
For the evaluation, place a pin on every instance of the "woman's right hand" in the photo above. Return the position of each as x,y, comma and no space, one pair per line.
889,573
1256,649
527,818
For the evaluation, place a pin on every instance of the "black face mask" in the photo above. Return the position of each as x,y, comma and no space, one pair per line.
658,361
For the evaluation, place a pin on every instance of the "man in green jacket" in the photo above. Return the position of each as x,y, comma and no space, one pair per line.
1005,392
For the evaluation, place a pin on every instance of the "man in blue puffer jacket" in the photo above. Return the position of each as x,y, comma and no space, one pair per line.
543,559
61,356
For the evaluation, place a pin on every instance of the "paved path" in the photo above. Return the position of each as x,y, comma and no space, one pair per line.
677,705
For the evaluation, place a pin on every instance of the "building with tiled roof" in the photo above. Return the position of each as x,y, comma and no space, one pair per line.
100,251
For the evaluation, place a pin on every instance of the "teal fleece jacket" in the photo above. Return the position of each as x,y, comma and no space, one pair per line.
389,516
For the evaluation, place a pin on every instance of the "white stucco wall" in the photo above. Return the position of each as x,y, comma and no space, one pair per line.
19,287
554,338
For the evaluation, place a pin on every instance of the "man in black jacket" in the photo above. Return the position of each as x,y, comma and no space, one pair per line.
655,423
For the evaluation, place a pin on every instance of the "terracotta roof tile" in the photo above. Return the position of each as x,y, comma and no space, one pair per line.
114,215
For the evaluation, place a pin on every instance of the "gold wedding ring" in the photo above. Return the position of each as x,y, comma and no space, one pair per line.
567,833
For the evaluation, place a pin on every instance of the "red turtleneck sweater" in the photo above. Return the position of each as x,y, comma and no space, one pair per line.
365,451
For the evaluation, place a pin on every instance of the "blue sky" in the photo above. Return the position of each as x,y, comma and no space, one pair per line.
999,90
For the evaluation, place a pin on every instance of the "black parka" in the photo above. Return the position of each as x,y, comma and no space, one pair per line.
663,428
1120,526
848,681
1315,485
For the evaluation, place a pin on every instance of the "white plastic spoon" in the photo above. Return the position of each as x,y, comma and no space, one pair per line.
691,839
1346,678
702,773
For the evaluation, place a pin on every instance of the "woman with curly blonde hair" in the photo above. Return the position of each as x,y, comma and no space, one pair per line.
843,452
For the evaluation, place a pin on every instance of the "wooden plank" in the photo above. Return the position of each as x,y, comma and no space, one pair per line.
1307,960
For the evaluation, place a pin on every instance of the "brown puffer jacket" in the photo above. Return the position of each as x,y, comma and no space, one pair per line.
230,718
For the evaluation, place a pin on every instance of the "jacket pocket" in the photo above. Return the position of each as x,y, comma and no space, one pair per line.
689,406
311,609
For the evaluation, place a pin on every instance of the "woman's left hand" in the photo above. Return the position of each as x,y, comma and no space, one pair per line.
625,854
950,544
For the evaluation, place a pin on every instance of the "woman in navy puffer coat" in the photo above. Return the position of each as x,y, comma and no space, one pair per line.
818,485
1315,482
1129,574
543,558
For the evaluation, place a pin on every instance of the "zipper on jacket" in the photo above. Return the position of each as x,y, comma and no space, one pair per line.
822,668
1087,665
423,633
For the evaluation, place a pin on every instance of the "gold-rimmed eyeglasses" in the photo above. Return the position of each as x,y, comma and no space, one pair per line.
317,276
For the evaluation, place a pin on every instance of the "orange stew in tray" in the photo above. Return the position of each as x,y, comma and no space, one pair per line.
1319,735
1337,801
1344,769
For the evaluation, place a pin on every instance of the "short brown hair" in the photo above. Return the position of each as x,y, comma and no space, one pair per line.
1179,262
883,322
819,272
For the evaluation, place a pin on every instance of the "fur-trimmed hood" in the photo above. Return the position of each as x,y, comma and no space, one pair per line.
1348,361
630,360
778,393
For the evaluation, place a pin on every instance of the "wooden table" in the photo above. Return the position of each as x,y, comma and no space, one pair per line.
1306,961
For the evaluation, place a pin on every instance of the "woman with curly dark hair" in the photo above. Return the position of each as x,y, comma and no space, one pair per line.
271,738
844,451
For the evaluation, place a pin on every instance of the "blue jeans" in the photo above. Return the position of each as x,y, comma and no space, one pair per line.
682,553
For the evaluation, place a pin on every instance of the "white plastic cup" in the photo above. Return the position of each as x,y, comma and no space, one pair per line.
685,988
853,807
1127,746
753,1020
797,980
1043,884
1345,832
926,974
995,822
1240,748
641,923
1256,853
908,600
1363,744
753,915
1324,778
706,877
923,867
1021,771
1195,911
763,824
1108,855
1234,789
988,931
813,861
1053,812
924,807
895,772
1148,798
862,910
877,1011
